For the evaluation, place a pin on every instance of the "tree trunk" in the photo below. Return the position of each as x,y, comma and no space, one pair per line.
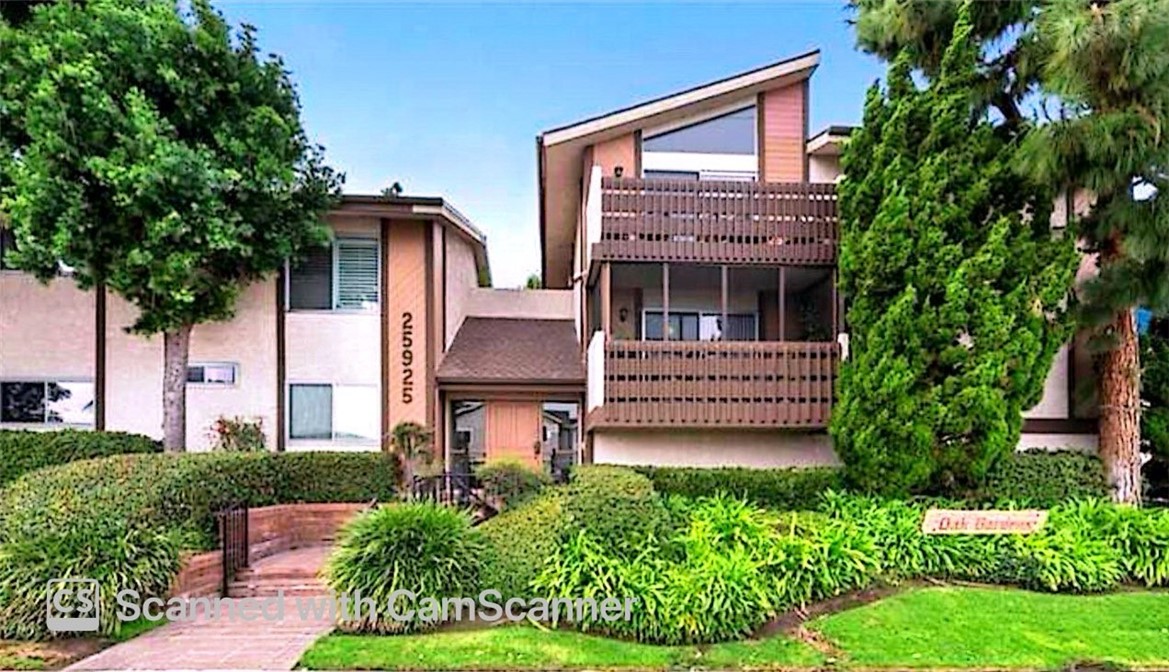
1120,403
176,348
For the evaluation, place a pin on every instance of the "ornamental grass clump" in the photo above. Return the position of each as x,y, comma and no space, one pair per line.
429,550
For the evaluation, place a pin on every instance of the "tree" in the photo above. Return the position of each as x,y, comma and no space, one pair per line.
411,444
955,281
159,156
1108,63
534,282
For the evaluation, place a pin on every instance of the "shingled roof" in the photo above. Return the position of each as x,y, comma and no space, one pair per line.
508,350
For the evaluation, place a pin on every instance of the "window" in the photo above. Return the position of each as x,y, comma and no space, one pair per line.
694,326
65,403
330,412
212,374
7,244
343,276
732,133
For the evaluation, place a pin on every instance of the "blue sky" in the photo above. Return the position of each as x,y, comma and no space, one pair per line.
448,98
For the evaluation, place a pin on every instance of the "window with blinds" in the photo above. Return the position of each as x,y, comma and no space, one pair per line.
343,276
357,274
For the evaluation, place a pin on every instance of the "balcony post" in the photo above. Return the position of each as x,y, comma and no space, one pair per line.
836,304
666,302
724,326
782,303
607,300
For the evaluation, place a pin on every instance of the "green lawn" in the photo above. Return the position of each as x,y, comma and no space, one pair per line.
970,627
929,627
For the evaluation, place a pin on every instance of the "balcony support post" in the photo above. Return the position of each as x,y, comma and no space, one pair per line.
782,303
666,302
607,300
837,304
723,326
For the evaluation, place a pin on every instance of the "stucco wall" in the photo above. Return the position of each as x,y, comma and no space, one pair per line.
823,168
46,331
548,304
462,278
610,154
713,448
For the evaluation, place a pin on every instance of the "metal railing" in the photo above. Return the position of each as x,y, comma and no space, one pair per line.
717,221
233,537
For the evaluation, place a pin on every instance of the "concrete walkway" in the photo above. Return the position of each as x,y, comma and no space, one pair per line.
208,643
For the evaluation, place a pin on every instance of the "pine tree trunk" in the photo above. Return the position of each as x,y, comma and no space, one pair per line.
176,349
1120,426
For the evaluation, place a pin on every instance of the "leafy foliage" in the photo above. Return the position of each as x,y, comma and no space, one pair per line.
511,482
238,435
519,541
789,489
956,286
617,506
1043,478
427,549
24,451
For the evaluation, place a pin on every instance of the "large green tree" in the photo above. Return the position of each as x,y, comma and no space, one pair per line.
154,151
955,279
1108,62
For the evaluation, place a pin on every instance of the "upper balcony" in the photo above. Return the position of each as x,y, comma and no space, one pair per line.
707,221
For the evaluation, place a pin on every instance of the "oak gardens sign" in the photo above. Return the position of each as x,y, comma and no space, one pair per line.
945,521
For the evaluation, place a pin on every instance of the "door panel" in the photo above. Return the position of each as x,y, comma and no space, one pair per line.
513,431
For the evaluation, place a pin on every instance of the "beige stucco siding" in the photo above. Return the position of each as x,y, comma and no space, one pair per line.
46,331
713,448
823,168
462,277
1054,403
541,304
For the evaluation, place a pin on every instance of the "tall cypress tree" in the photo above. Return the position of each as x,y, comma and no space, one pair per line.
1109,64
956,283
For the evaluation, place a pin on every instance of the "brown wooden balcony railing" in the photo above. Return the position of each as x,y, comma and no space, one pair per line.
732,384
715,221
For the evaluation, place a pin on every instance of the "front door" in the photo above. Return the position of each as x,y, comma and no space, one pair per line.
513,431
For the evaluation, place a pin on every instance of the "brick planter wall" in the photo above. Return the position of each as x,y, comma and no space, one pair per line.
271,530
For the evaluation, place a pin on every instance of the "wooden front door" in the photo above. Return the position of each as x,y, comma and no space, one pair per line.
513,431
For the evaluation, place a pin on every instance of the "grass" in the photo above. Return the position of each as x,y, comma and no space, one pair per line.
523,647
972,627
945,627
57,653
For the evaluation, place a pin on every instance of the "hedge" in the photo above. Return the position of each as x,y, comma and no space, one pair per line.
124,520
1037,477
22,451
519,539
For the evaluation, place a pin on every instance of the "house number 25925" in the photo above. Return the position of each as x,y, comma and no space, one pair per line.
407,357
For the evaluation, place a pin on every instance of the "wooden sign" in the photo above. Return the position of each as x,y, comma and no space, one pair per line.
945,521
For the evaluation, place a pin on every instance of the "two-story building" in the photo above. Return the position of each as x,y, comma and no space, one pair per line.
698,234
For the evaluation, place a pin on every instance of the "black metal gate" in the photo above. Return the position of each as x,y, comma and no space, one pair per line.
233,536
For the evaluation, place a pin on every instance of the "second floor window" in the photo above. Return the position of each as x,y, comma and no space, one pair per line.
344,276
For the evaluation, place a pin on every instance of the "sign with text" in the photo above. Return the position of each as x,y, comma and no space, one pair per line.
947,521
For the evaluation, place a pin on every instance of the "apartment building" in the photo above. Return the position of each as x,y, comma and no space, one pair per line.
698,235
328,355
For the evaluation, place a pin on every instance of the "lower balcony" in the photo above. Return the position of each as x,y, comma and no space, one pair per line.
757,384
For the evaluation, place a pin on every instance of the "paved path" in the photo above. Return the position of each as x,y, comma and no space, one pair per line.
226,643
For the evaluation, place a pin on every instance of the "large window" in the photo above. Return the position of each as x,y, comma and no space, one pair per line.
334,412
696,326
732,133
40,402
343,276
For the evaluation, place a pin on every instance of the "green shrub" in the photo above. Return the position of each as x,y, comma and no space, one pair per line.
238,435
24,451
427,549
150,507
617,506
785,489
1044,479
519,540
510,481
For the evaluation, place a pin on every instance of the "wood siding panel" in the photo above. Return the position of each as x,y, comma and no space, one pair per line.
618,152
513,431
405,277
783,134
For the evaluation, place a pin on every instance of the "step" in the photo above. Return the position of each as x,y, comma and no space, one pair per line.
269,590
275,573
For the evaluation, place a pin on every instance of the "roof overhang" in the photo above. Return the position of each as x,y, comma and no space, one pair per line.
559,151
432,208
830,141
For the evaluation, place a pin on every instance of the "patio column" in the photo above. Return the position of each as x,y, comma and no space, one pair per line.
666,302
724,325
782,303
607,300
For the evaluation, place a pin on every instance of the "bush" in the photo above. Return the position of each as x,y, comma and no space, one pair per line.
784,489
510,482
1044,479
238,435
146,509
23,451
617,506
519,540
427,549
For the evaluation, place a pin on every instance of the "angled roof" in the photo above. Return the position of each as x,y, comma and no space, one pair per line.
513,351
829,141
559,150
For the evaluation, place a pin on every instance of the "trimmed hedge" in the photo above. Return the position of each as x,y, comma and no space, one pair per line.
519,540
616,505
1037,477
123,520
22,451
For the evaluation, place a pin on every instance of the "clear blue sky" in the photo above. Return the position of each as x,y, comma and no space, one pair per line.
448,98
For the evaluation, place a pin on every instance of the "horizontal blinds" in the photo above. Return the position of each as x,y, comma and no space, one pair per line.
357,273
